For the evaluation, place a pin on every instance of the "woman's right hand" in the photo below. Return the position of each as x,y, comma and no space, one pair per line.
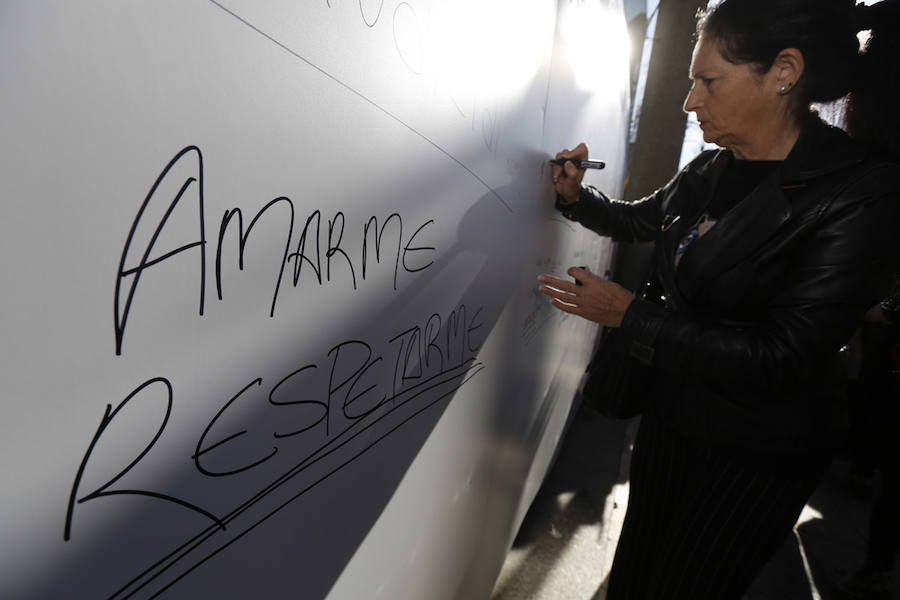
567,178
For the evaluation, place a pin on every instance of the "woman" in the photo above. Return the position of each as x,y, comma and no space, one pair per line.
767,254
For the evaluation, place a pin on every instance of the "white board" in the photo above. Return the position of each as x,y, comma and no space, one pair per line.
269,313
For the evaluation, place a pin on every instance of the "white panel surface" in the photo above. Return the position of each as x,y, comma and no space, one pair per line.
269,318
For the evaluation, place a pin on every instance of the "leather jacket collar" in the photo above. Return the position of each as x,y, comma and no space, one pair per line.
820,149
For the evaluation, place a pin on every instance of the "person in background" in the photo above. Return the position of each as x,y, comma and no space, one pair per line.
768,252
875,431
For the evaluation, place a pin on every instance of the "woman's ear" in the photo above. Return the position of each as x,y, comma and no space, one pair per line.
787,69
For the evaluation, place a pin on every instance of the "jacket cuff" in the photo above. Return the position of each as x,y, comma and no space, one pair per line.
572,210
568,209
641,325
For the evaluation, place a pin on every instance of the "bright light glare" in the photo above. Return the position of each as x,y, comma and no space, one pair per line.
480,59
563,500
596,45
808,514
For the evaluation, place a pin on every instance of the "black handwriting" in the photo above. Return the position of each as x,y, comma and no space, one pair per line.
104,490
353,385
346,258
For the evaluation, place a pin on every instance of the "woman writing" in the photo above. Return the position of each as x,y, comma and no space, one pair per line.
767,254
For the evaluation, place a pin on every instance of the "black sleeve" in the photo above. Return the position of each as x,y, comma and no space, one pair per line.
833,278
638,221
623,221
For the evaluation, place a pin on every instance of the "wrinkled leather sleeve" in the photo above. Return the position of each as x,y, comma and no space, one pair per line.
839,271
637,221
623,221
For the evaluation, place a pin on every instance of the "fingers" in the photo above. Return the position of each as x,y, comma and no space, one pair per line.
581,274
578,152
559,298
595,299
556,294
563,294
563,306
558,171
568,175
559,284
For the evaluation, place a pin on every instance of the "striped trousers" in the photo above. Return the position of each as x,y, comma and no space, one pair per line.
701,522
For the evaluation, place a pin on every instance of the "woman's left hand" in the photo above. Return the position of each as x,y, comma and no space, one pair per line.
596,299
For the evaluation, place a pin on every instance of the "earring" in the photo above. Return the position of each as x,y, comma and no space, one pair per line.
782,90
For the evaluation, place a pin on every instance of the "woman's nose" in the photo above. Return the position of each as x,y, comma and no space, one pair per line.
691,102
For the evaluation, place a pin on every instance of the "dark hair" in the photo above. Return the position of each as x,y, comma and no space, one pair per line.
825,31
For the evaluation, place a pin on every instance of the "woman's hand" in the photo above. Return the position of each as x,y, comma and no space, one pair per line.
596,299
567,178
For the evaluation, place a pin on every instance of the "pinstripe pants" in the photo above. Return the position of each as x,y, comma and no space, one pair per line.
701,522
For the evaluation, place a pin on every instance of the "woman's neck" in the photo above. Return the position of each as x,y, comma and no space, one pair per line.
774,145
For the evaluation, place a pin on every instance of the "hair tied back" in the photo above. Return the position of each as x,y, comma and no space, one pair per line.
861,16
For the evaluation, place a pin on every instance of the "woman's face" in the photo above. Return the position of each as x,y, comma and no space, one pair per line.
733,102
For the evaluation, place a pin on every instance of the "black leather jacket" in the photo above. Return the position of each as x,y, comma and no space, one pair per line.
749,325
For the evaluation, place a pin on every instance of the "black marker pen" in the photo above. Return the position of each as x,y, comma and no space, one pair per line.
581,164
